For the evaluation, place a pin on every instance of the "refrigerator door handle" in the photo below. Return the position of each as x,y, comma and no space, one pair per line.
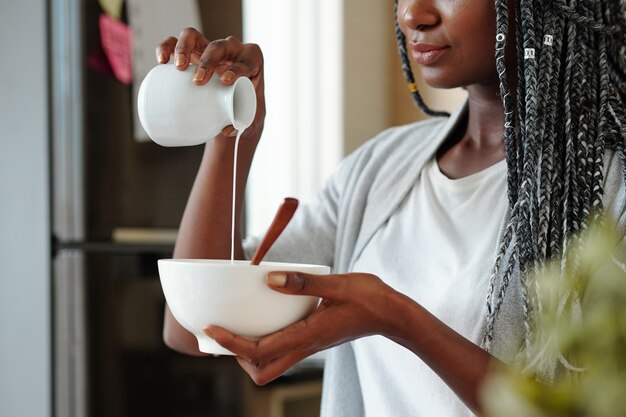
70,376
68,207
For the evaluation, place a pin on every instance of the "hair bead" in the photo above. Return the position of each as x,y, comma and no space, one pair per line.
548,40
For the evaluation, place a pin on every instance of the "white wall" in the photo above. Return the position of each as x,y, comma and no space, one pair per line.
303,135
368,26
25,334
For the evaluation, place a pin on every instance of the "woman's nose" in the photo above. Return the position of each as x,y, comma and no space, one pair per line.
418,14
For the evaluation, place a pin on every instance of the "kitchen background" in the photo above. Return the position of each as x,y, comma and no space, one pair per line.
87,206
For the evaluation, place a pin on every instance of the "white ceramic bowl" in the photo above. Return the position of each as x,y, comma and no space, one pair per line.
201,292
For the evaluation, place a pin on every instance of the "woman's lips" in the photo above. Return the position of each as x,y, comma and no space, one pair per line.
427,54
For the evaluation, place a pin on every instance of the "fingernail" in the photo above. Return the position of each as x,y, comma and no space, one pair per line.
228,76
276,279
209,333
233,134
180,60
162,57
200,73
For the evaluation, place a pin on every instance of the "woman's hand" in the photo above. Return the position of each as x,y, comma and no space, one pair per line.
356,305
228,57
353,305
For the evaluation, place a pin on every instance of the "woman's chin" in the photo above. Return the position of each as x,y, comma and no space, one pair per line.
441,82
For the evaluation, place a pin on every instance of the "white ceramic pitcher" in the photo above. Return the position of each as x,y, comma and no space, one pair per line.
176,112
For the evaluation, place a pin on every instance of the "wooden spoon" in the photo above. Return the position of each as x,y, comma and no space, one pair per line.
283,216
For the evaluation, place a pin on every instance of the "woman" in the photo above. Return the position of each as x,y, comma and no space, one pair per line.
424,209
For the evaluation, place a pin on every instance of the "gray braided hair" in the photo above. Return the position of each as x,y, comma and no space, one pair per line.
569,109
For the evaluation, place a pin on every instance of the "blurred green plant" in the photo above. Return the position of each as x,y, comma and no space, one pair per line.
575,364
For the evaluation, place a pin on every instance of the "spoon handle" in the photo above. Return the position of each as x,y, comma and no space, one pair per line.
283,216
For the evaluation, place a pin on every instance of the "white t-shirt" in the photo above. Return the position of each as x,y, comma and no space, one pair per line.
440,246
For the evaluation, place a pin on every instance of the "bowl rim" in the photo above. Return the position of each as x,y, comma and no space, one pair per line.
238,262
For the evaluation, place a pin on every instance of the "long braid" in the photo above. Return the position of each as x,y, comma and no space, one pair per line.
568,150
549,68
493,307
586,120
557,114
520,104
604,85
526,229
408,72
510,140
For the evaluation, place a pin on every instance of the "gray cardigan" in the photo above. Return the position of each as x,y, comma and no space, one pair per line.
362,194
